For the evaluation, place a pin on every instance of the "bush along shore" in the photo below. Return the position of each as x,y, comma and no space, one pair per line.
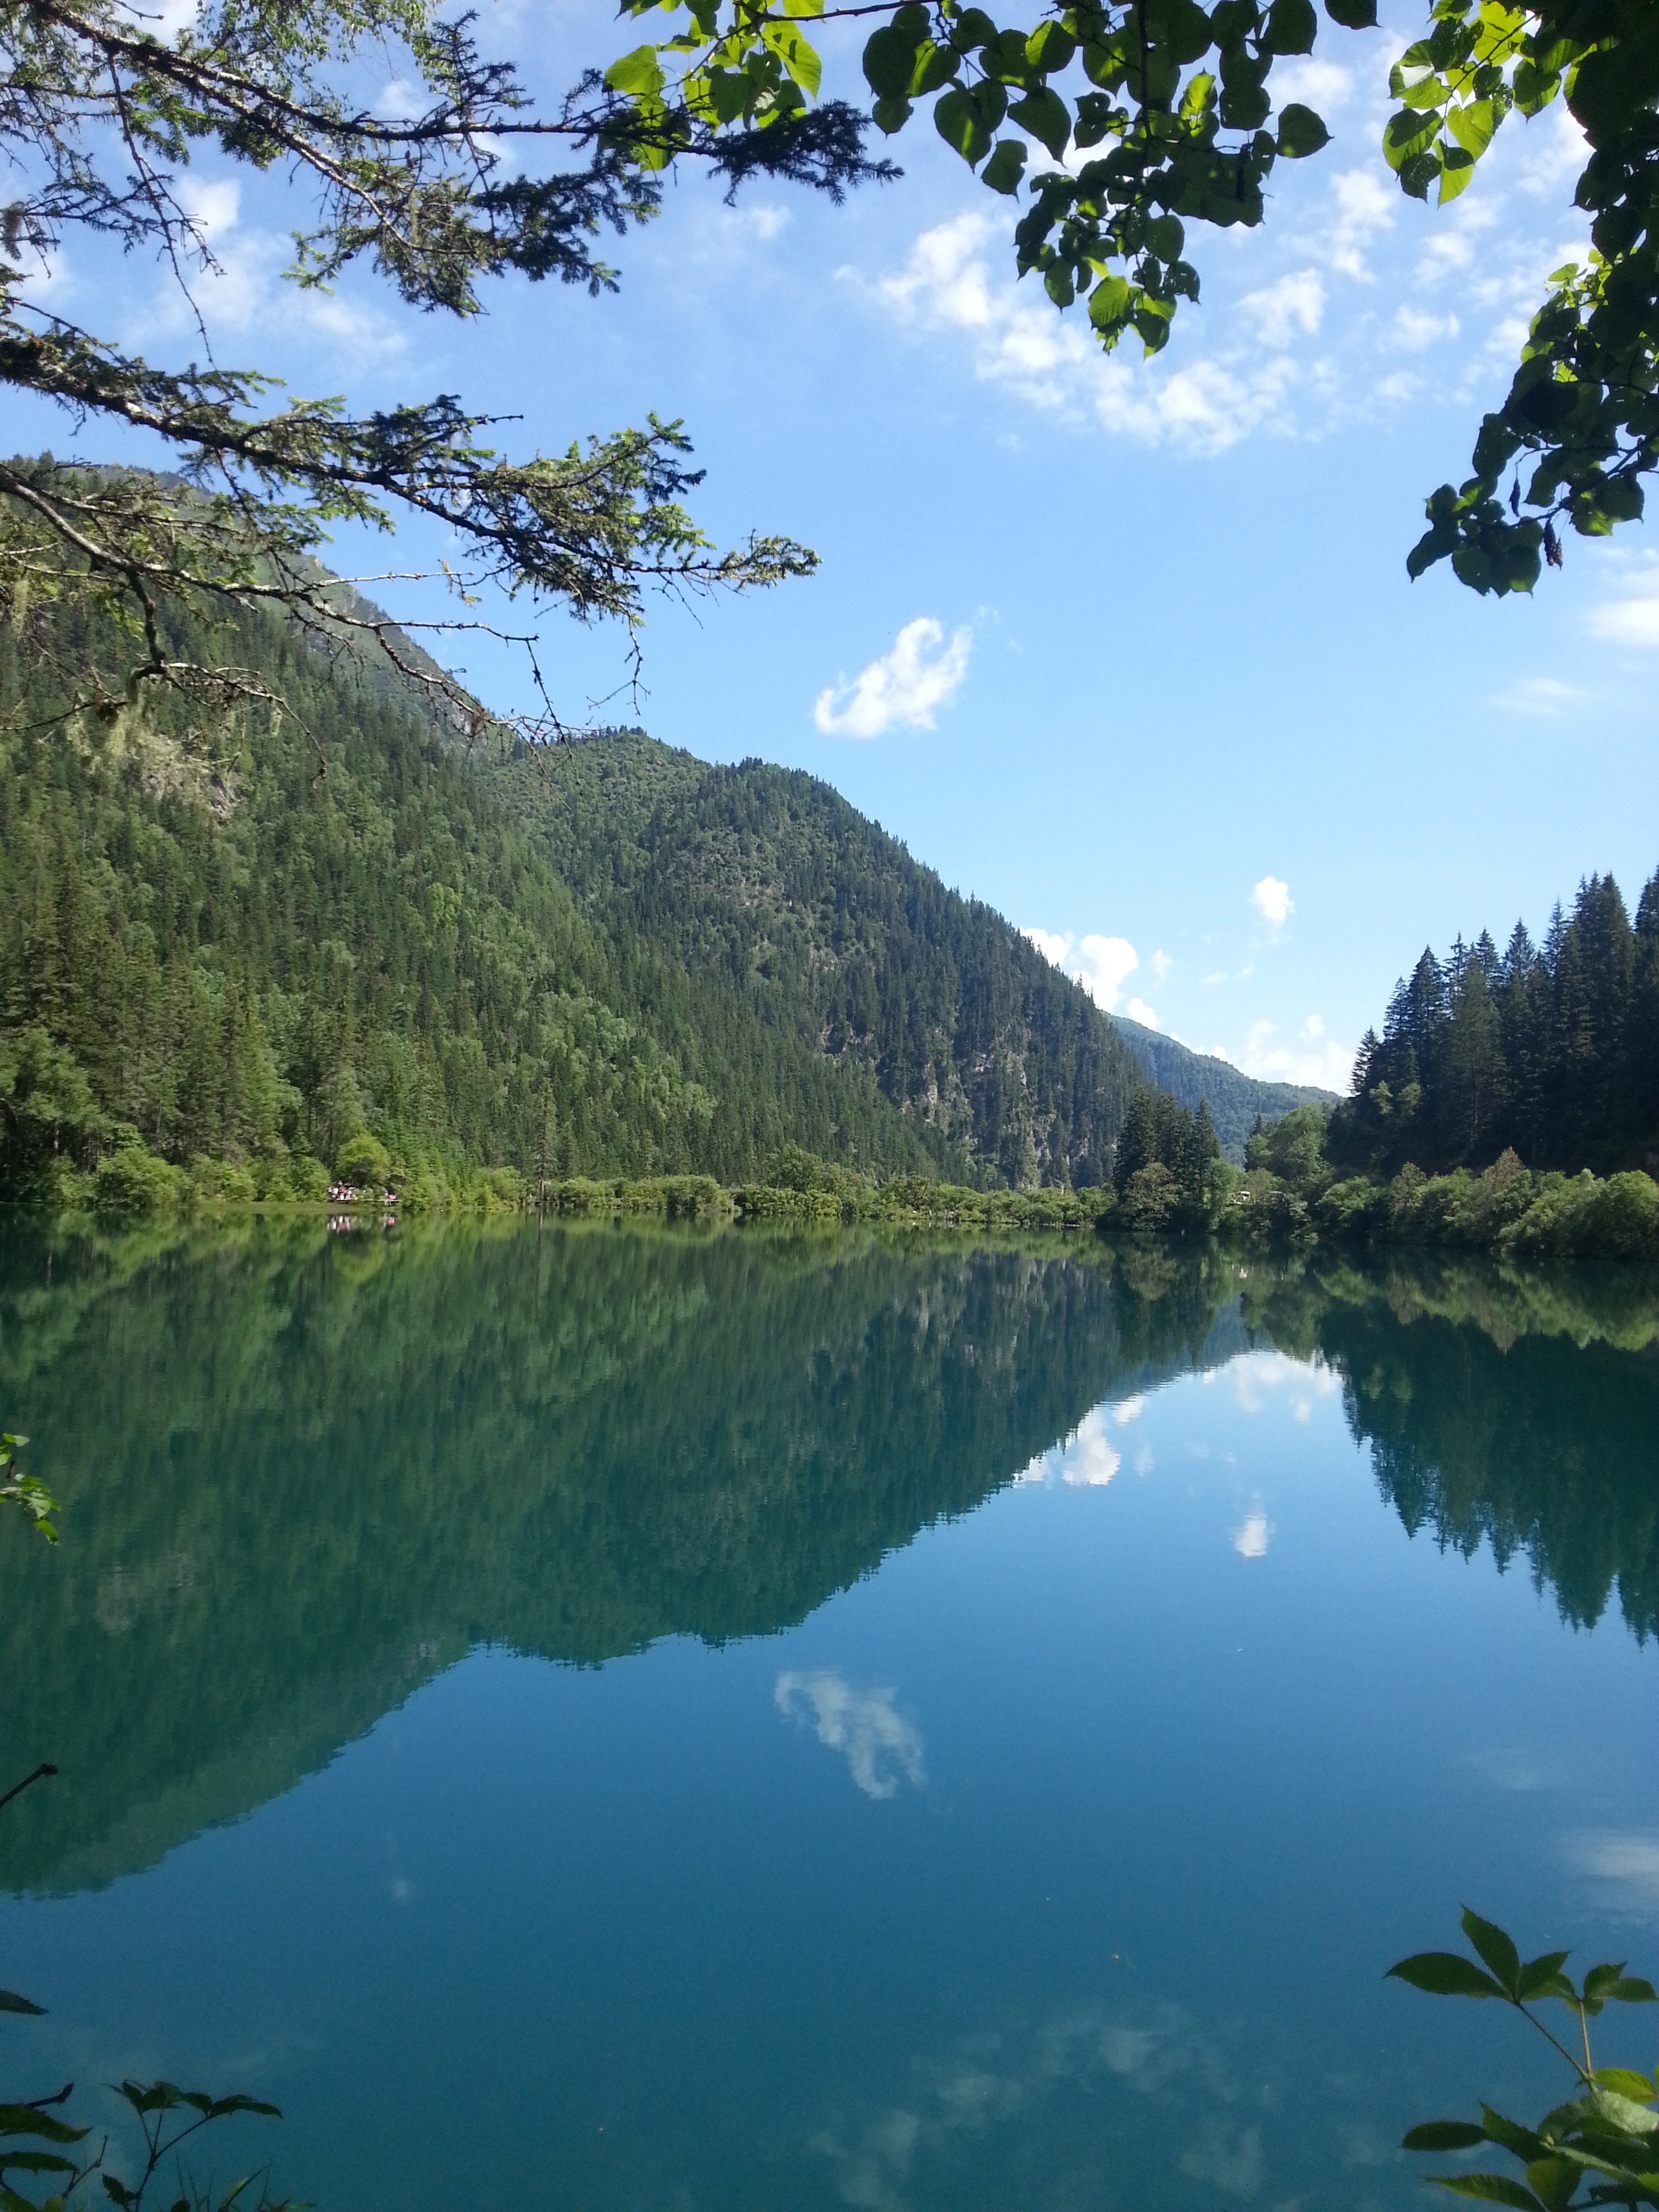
1170,1181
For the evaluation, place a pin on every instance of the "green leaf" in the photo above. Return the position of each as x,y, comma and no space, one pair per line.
1443,2135
889,59
1496,1949
1554,2180
1445,1974
1612,1986
1490,2188
1301,133
1293,27
639,73
1456,173
1352,15
1005,166
1542,1978
1050,49
1166,237
1409,133
1109,305
1057,283
24,2120
803,7
957,121
1629,2116
10,2001
891,116
1472,123
931,67
1045,115
1625,2082
802,61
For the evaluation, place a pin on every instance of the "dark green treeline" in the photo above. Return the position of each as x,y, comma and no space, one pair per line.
214,945
618,963
1509,1406
1552,1050
300,1473
827,930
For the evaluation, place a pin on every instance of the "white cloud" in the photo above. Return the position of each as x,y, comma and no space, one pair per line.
1272,900
765,221
1321,1062
1162,965
1139,1011
1313,1027
1631,620
1364,208
1546,695
1129,1410
860,1724
903,688
213,204
1415,330
1216,976
1626,1862
1251,1536
1295,302
1321,85
1054,361
1102,965
1088,1460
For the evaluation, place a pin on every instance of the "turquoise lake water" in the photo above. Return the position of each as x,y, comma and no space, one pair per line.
594,1719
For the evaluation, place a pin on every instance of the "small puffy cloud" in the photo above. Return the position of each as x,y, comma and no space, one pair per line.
1313,1027
1216,976
1162,965
765,223
1415,330
1129,1409
1295,303
905,688
1321,85
1625,1864
1102,965
878,1743
1364,206
1316,1059
1630,620
1139,1011
1251,1536
213,204
1272,900
1546,696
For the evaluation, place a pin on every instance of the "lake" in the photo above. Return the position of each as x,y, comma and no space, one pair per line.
594,1718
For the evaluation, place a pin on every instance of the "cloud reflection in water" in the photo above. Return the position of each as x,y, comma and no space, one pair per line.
878,1743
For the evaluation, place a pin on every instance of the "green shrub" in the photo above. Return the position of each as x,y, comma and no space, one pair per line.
364,1160
132,1181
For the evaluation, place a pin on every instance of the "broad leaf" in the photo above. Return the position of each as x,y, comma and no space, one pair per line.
1301,133
1490,2188
10,2001
1612,1986
1445,1974
1443,2135
1495,1948
1625,2082
1005,166
1542,1978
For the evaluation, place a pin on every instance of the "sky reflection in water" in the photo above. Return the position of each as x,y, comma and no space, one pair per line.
1051,1853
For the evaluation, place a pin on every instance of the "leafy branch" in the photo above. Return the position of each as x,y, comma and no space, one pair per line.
1604,2140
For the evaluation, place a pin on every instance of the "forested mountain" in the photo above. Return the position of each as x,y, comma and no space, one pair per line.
1551,1049
1233,1098
617,961
766,881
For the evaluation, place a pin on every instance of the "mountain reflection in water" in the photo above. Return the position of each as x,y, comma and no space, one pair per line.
300,1476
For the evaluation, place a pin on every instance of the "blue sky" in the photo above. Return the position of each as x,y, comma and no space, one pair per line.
1127,649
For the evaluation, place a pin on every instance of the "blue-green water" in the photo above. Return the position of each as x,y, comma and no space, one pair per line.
600,1720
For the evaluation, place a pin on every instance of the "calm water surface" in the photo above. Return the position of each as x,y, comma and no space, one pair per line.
611,1721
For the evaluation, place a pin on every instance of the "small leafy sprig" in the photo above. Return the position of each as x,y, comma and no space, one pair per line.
24,1491
1604,2140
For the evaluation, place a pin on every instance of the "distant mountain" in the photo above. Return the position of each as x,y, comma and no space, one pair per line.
765,883
617,960
1234,1099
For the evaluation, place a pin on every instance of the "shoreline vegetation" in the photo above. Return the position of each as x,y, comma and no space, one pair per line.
1171,1185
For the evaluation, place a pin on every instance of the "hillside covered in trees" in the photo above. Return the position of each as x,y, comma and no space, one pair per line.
1551,1051
1234,1099
617,961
